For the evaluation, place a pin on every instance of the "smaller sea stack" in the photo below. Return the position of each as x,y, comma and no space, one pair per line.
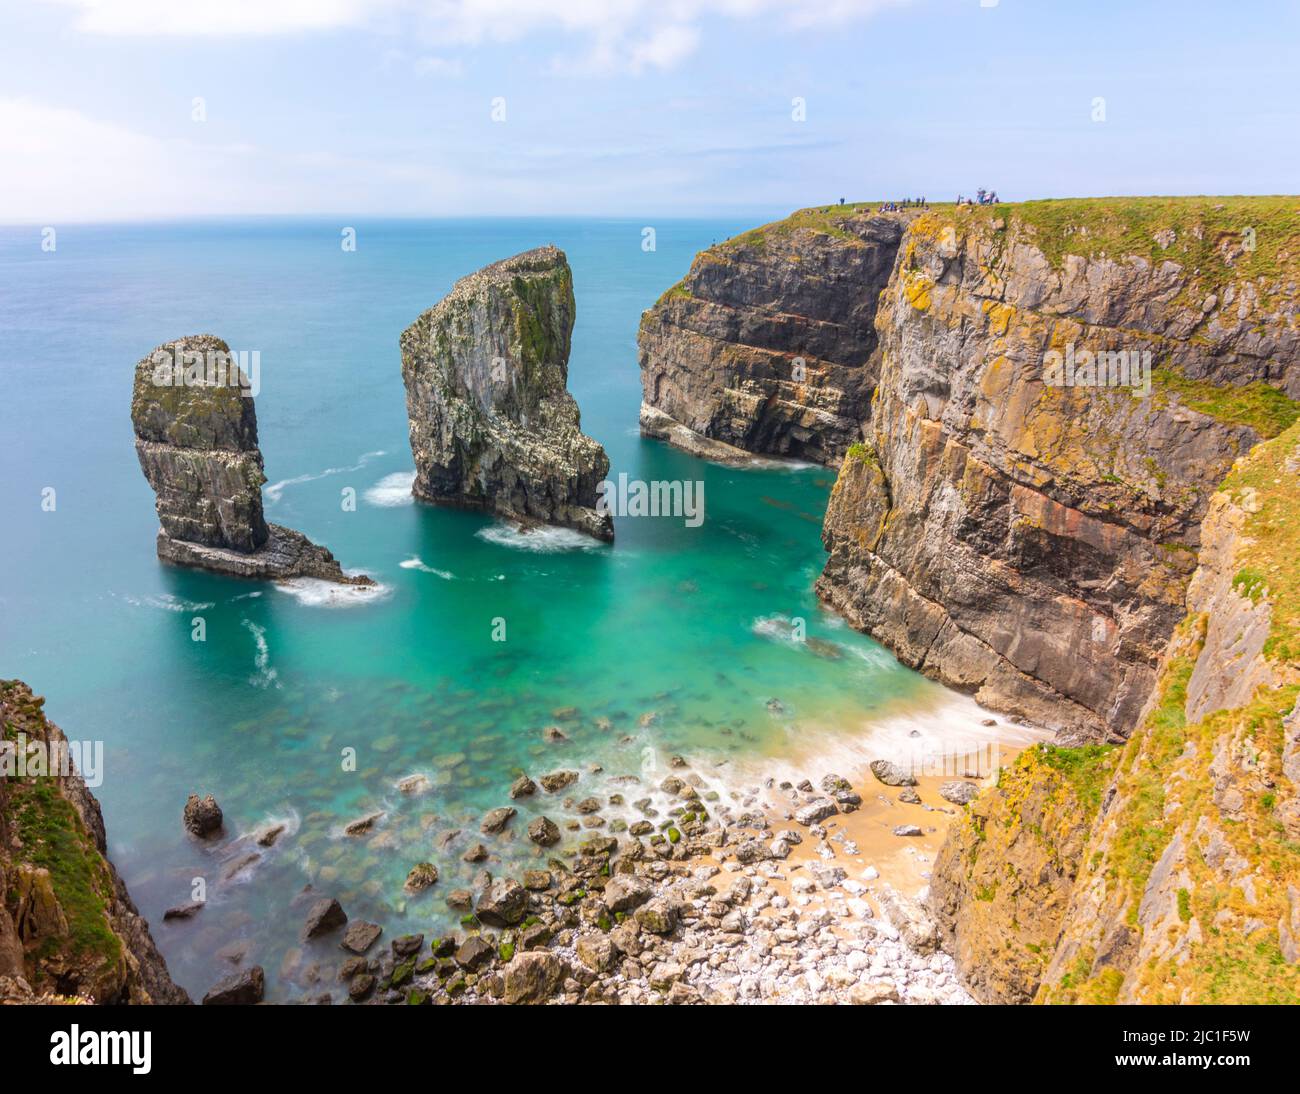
196,439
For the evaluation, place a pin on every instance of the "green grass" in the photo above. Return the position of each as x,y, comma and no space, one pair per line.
1265,409
54,838
1209,232
862,452
1269,562
1087,770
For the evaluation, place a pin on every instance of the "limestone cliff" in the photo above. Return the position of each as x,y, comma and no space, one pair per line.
492,423
67,924
1027,542
1176,879
768,344
196,439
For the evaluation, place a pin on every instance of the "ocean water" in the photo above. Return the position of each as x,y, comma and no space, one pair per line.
307,704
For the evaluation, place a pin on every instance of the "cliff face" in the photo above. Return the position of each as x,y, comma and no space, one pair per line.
768,344
1025,541
1176,879
492,423
1189,886
196,439
67,923
1003,878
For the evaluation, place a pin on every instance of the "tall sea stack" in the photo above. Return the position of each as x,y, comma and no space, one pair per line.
493,425
196,438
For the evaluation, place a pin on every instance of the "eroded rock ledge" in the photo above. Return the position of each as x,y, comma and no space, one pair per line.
493,425
196,439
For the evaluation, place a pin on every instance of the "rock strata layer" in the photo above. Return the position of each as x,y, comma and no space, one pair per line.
768,344
68,927
492,424
196,439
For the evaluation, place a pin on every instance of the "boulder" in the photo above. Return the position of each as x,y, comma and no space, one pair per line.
544,832
325,915
625,892
421,876
202,817
496,820
959,792
243,988
532,976
360,936
558,780
891,774
815,811
503,903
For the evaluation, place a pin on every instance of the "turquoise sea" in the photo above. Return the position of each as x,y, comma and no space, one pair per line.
678,636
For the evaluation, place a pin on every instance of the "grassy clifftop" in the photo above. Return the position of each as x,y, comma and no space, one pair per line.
1242,237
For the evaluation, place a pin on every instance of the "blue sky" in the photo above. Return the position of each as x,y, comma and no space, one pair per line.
631,107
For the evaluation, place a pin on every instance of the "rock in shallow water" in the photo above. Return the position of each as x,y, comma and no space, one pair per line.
203,816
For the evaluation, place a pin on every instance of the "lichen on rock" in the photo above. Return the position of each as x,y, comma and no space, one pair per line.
492,424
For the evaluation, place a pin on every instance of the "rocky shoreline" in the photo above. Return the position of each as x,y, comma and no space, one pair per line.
712,895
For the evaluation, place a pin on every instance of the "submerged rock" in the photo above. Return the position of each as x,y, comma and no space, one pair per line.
492,424
196,440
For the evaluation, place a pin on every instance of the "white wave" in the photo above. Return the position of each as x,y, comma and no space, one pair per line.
777,627
265,676
545,540
313,592
946,738
773,463
392,490
168,603
415,563
276,489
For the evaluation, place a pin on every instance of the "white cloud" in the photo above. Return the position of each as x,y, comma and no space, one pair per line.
196,18
620,35
64,164
437,66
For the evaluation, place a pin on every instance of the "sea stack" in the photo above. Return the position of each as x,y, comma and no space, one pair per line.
493,425
196,438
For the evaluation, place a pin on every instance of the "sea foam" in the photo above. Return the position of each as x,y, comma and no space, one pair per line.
543,540
392,490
